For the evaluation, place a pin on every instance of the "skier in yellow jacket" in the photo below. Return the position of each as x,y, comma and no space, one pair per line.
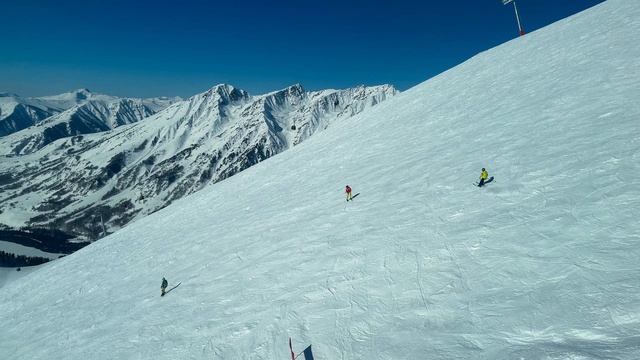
484,175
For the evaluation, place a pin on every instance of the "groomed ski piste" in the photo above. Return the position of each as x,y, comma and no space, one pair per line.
540,264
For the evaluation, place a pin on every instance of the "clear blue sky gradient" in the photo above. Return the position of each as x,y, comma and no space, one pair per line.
151,48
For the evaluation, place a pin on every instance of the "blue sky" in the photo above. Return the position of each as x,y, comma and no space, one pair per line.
150,48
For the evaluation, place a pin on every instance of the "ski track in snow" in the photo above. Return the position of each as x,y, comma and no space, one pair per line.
540,264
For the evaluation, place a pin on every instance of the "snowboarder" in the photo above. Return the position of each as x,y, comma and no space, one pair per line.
163,287
484,175
348,191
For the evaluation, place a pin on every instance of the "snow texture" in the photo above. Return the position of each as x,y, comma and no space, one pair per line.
540,264
8,275
18,249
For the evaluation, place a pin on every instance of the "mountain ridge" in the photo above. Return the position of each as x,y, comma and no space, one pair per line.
18,113
134,169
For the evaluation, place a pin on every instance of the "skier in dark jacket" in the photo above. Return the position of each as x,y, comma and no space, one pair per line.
163,287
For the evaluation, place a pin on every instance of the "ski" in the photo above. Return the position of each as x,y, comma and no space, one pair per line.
485,183
166,292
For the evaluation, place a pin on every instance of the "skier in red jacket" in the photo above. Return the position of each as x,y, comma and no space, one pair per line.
348,191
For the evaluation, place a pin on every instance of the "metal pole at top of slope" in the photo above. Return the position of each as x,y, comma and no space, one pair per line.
515,8
518,18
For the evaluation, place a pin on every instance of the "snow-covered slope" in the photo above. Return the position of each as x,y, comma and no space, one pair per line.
76,97
17,113
8,275
540,264
91,117
81,96
134,170
85,113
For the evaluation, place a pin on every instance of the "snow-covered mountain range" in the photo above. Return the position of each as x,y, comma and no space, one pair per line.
58,174
32,123
18,113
